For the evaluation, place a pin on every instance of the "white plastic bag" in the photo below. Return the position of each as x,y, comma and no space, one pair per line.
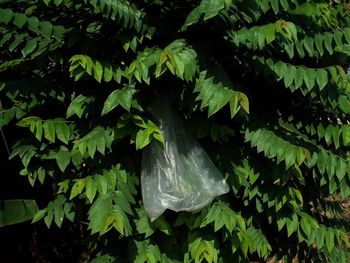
179,176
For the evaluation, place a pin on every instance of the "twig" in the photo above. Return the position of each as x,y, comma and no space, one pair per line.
3,136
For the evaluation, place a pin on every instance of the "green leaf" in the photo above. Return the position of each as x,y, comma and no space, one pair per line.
289,76
91,188
281,69
329,239
309,45
121,97
319,43
328,38
77,106
17,211
77,188
18,40
346,134
63,159
58,216
341,169
41,175
344,103
292,224
320,237
39,215
101,184
6,15
142,139
309,78
143,223
108,73
217,102
162,225
99,213
98,71
221,215
123,12
299,77
62,130
147,252
29,47
48,218
38,130
19,20
305,226
69,214
97,139
207,8
49,130
92,147
215,96
46,29
321,78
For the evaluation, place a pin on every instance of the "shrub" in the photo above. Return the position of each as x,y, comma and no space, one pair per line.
261,84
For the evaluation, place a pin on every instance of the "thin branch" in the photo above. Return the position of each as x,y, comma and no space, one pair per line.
3,136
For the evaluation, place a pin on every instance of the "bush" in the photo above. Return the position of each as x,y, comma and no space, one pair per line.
261,84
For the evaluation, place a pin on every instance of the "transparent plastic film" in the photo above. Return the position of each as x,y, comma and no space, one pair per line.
180,175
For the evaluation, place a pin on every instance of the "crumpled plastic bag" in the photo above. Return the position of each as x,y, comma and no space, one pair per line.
180,175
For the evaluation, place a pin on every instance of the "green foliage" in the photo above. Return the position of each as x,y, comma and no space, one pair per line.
56,211
147,252
83,64
78,106
96,140
122,97
215,96
177,57
46,35
122,11
208,8
17,211
49,129
78,79
275,147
